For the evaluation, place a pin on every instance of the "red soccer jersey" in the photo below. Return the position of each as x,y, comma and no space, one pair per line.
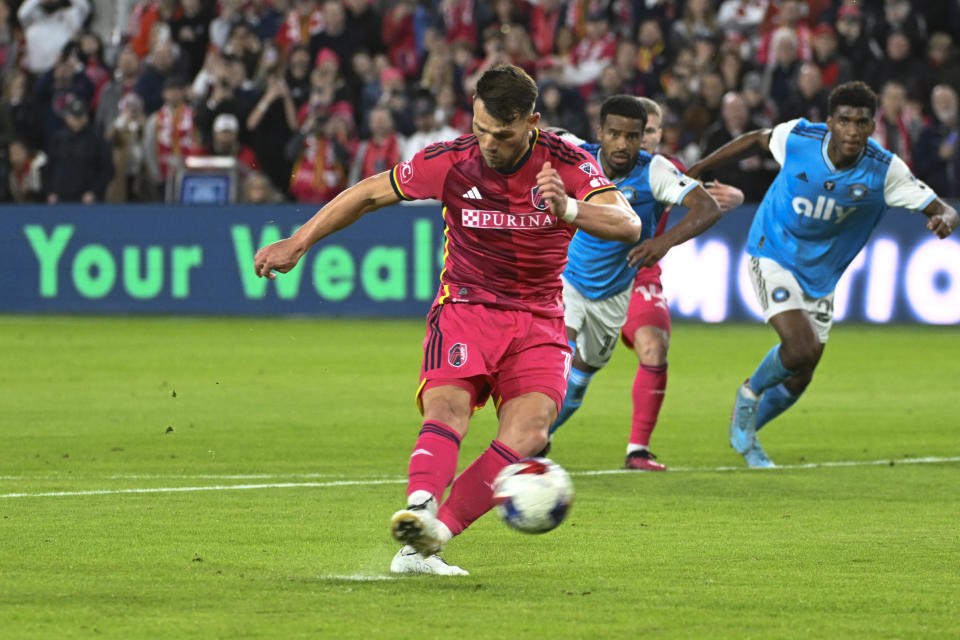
503,248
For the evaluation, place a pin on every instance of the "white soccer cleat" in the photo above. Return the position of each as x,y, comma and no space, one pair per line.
408,561
743,420
417,526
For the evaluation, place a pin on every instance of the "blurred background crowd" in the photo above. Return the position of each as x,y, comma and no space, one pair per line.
105,100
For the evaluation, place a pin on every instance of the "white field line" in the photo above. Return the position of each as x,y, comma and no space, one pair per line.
400,480
356,577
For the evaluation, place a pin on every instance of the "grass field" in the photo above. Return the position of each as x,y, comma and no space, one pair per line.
212,478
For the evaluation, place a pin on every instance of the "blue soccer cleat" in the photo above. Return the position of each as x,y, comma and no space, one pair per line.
757,458
743,420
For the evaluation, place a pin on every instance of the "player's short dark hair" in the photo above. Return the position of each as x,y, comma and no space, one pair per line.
623,105
508,92
852,94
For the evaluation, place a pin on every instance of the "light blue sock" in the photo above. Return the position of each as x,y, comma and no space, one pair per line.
770,373
576,388
775,401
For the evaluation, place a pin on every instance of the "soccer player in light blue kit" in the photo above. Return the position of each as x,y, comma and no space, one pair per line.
834,185
598,279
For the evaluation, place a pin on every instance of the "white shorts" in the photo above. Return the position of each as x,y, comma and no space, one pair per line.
597,322
778,290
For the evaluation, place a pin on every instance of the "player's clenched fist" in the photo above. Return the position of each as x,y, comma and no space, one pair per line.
944,224
552,189
281,256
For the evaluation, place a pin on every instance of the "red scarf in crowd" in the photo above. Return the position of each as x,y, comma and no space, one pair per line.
176,136
317,175
297,29
380,157
902,142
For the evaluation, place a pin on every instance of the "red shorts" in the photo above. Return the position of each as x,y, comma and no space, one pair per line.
494,352
648,306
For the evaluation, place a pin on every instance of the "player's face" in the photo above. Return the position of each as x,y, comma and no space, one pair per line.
620,140
652,134
850,127
501,143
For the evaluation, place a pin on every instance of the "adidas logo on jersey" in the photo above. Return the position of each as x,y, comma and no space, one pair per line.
472,194
802,176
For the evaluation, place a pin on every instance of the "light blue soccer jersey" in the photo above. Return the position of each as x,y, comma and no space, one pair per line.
814,218
598,268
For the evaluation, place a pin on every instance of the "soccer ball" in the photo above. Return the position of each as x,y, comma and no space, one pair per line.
533,495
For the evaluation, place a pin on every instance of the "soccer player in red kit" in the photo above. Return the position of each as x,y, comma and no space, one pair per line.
513,196
647,329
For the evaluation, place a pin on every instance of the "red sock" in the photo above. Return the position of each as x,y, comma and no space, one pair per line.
433,462
648,390
472,492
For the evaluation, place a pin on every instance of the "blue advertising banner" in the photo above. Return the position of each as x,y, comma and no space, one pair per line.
198,260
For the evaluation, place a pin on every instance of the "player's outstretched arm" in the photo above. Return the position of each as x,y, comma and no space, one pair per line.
703,211
607,215
942,219
365,196
746,144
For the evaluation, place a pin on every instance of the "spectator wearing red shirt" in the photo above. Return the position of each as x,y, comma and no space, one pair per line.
381,151
400,37
789,17
302,22
594,52
460,20
144,16
895,129
319,162
171,133
545,17
834,68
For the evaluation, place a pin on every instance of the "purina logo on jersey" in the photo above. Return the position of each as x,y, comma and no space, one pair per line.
479,219
589,169
537,199
457,356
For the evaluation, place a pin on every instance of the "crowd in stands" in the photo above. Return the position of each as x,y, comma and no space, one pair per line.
103,100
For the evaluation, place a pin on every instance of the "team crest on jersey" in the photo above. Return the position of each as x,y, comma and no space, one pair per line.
405,171
457,356
589,169
858,191
829,185
537,199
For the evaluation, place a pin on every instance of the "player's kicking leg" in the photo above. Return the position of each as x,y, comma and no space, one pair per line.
433,463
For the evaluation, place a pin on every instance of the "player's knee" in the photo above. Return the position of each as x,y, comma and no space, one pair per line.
652,353
652,347
799,383
800,355
536,442
450,411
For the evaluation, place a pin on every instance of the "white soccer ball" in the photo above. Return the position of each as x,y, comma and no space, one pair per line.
533,495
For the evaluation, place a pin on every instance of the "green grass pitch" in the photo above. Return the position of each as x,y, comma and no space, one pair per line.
233,478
